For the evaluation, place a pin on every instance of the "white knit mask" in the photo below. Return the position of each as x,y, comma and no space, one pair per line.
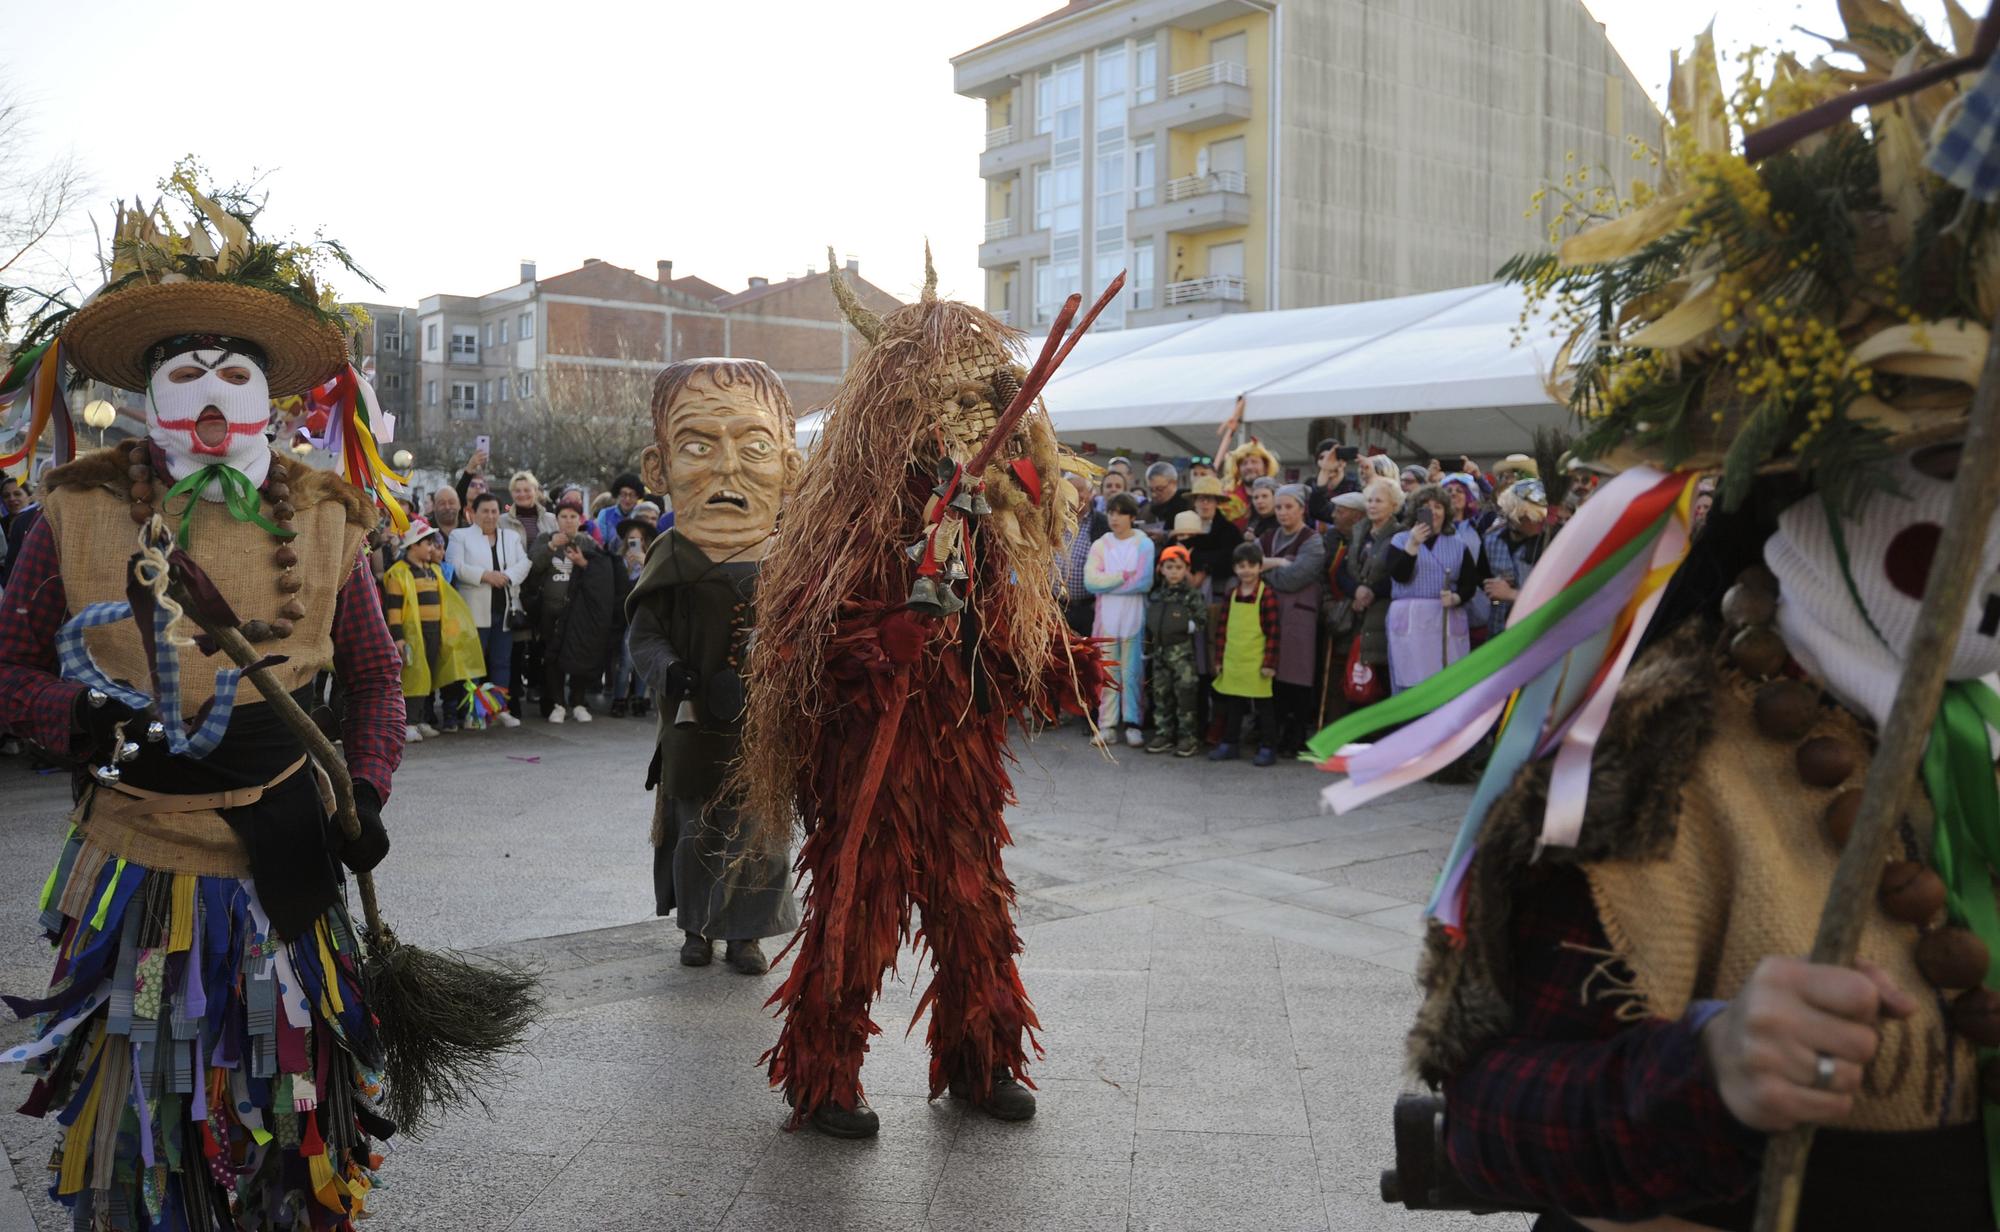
1890,544
231,391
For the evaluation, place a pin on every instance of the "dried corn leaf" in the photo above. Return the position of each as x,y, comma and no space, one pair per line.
1871,411
1625,235
1964,27
1949,350
1694,96
1690,322
235,236
1899,156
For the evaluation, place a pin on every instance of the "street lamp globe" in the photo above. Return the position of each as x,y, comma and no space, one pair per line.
100,415
403,459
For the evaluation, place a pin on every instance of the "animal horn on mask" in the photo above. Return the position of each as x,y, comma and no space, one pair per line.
862,319
930,275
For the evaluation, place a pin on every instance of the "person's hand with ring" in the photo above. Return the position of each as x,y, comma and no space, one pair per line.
1791,1046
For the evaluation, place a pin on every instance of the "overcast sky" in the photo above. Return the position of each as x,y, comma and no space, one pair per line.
443,143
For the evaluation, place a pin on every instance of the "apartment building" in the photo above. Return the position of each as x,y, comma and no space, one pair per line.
1235,155
385,351
479,358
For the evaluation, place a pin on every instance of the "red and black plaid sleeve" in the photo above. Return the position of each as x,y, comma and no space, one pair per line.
35,701
1267,619
1580,1110
371,672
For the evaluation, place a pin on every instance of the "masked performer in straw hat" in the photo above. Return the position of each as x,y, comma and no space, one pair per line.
1616,1003
904,618
723,450
204,1040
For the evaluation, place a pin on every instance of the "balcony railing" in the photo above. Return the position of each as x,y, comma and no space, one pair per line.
1224,287
1201,185
1214,73
1004,315
997,137
1000,229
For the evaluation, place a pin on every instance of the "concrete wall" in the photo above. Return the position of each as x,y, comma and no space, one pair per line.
1415,131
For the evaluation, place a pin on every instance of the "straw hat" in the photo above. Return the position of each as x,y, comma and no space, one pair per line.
1186,522
1207,485
108,338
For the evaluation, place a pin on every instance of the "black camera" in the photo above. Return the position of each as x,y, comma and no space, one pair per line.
1347,453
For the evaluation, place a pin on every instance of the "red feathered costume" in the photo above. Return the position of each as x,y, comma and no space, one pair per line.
889,733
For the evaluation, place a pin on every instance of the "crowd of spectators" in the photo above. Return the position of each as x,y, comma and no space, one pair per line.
544,578
1244,612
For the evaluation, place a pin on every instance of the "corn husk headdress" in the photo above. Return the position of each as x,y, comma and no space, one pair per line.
1818,310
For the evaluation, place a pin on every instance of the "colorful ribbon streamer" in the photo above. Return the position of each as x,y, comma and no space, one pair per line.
1549,679
34,375
1958,772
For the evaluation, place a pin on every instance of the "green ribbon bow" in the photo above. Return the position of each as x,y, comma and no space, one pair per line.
239,497
1965,847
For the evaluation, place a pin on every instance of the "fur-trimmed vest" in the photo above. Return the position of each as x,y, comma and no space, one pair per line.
1704,852
88,507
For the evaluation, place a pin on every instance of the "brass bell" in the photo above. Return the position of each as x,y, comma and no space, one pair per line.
156,731
925,599
108,774
971,504
955,569
128,751
916,550
684,714
949,602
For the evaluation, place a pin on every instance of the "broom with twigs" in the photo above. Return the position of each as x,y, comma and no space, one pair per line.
444,1022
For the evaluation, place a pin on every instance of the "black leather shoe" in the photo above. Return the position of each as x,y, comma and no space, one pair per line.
697,951
1009,1101
747,957
834,1121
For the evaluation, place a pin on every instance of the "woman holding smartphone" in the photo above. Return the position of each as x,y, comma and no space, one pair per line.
1432,573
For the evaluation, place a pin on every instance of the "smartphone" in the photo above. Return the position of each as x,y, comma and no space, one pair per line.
1347,453
482,443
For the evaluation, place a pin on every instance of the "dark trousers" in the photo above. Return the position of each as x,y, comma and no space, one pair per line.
1294,704
416,710
524,666
559,689
1236,709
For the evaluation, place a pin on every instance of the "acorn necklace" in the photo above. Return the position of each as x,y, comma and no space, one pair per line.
242,502
1951,955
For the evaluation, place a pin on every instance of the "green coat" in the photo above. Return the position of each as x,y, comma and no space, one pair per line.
685,608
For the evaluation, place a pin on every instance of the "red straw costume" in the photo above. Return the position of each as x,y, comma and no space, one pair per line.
904,619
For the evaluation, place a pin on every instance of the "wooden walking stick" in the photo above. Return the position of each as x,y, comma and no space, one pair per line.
443,1021
1900,750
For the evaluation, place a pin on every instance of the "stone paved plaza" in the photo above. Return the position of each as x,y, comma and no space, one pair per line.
1224,974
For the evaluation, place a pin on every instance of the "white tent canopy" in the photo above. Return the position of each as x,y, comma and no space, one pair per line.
1447,359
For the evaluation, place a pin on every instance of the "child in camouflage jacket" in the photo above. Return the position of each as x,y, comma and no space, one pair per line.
1176,618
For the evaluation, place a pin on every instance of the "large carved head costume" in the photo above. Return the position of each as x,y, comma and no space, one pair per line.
722,449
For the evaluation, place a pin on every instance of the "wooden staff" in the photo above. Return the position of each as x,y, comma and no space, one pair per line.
1899,752
244,655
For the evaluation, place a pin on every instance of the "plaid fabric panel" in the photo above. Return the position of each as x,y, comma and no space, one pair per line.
1967,152
35,701
1583,1108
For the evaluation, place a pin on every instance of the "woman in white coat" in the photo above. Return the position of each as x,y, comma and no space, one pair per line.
489,562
